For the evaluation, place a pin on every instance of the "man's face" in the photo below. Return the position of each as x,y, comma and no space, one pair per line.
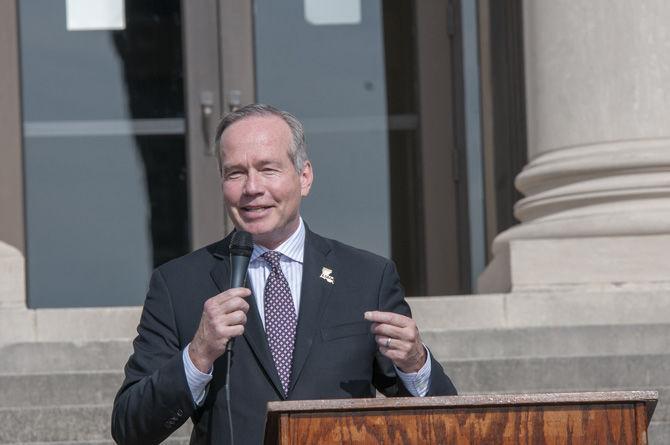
261,188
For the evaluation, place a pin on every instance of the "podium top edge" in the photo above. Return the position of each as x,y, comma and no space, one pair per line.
650,398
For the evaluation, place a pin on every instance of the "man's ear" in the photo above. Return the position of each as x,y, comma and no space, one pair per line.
306,178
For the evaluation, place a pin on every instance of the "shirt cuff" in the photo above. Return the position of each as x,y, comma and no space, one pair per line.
197,381
417,382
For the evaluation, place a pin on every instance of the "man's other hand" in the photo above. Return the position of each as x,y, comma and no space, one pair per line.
398,339
223,317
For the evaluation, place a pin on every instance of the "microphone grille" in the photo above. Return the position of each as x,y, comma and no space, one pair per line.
242,243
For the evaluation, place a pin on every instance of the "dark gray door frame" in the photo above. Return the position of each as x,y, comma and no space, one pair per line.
219,75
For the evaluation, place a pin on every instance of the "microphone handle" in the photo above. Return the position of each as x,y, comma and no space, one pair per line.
238,278
238,275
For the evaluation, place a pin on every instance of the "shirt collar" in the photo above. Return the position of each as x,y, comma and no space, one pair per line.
293,248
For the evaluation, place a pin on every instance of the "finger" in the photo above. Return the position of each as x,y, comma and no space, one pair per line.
408,361
395,344
384,343
234,304
234,292
388,330
216,308
235,318
390,354
223,330
230,332
388,318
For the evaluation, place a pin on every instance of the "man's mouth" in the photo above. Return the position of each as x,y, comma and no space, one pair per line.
254,209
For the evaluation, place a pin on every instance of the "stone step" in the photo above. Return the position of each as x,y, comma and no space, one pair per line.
551,307
64,424
659,433
533,374
661,413
57,389
571,374
83,424
567,341
49,357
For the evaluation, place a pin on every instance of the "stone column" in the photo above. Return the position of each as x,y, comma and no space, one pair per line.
596,211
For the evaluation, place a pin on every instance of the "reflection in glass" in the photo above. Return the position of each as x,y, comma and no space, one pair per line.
349,72
105,166
332,77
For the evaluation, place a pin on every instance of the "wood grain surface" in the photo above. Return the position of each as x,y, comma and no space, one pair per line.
569,418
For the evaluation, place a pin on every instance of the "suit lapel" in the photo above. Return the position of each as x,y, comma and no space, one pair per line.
315,292
253,330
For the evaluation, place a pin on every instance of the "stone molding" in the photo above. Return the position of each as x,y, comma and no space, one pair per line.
68,325
20,324
562,307
12,278
618,189
585,263
606,172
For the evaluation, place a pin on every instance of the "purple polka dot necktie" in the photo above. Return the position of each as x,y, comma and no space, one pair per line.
280,318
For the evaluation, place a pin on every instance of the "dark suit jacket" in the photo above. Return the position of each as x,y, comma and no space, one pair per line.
335,354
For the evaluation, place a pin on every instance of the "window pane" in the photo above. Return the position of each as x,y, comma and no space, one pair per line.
104,153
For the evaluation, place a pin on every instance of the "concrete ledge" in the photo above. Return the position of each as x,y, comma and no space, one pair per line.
58,389
569,341
12,278
68,325
82,423
551,374
17,325
64,357
87,324
557,307
590,261
587,263
659,432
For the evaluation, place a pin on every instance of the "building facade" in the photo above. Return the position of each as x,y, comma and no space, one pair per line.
432,125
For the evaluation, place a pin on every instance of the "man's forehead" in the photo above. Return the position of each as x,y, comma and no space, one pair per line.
257,135
257,124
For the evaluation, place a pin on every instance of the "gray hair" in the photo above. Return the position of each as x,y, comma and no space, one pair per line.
297,152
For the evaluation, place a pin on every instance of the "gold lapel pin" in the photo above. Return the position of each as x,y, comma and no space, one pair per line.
326,275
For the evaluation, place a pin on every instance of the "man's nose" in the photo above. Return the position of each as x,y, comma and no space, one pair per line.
252,185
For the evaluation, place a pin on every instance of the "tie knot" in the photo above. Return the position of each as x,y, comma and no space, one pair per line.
272,258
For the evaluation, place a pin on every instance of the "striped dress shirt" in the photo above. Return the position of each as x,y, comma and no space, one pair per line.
292,251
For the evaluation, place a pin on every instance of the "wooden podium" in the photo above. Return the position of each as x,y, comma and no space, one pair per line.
590,418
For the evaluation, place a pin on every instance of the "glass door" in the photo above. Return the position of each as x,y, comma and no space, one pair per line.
108,189
324,62
372,82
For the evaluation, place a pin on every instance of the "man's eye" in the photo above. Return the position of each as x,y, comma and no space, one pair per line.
233,174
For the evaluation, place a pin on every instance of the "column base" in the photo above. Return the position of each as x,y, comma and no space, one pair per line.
589,263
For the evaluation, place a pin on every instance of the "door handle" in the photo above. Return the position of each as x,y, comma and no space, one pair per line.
206,112
234,97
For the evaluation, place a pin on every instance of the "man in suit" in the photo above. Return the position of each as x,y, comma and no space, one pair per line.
320,320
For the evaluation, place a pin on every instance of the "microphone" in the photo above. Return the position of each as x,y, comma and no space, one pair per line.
241,246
